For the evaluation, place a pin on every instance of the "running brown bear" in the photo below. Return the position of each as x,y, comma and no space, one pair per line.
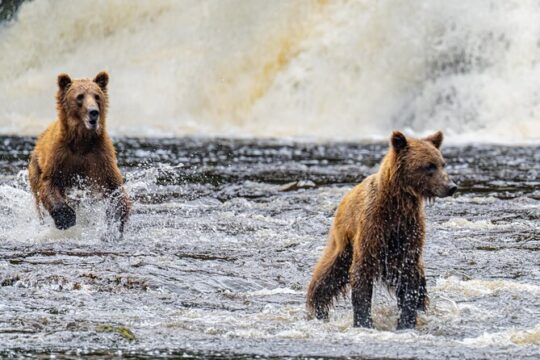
77,147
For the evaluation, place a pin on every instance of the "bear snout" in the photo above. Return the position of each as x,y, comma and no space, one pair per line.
445,189
452,188
93,117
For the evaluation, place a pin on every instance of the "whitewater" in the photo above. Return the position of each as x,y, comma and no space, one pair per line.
338,70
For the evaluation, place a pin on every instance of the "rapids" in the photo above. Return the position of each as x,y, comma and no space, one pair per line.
217,256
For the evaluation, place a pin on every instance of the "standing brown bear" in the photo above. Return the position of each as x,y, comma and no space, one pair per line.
75,150
379,230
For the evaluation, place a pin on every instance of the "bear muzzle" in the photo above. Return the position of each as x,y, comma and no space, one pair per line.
452,188
93,119
445,190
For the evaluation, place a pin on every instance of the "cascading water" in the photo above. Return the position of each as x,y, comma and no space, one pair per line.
315,69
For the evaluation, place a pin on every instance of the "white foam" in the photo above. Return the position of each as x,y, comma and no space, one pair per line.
478,287
523,337
270,292
323,69
21,222
461,223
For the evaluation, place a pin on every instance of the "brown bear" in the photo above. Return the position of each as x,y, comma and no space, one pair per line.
378,233
76,151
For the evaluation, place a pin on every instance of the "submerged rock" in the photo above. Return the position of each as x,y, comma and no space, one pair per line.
123,331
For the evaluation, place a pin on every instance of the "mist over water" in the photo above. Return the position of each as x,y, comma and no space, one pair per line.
315,69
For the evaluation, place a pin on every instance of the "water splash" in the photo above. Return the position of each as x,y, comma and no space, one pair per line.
216,256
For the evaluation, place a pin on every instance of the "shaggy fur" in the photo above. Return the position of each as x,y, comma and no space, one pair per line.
379,231
76,149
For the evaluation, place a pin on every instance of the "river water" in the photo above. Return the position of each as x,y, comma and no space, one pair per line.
218,253
220,247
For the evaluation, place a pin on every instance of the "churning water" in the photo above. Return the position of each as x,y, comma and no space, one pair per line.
218,253
219,249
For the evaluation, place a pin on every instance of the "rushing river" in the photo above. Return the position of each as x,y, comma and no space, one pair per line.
225,233
219,250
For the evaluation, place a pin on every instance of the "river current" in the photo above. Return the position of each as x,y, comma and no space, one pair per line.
221,245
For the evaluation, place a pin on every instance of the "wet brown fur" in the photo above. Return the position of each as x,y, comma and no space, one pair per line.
68,152
379,232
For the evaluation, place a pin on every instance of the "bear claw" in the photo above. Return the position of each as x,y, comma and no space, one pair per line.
64,217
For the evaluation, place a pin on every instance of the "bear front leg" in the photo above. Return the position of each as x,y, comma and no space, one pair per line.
52,199
423,298
408,294
119,209
362,292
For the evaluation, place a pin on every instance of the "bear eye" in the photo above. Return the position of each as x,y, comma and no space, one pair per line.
96,97
80,98
430,169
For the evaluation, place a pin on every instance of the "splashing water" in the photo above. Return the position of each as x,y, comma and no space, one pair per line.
324,69
216,257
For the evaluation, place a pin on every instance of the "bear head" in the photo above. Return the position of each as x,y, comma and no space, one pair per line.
82,103
420,165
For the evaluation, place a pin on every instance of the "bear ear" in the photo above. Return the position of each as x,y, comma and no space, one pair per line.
436,139
63,81
398,141
102,79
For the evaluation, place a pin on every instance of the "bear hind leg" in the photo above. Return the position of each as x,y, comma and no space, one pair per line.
330,279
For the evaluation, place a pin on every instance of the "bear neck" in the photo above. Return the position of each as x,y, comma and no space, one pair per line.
393,188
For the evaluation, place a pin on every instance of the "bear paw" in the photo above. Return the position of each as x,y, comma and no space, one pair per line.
64,217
